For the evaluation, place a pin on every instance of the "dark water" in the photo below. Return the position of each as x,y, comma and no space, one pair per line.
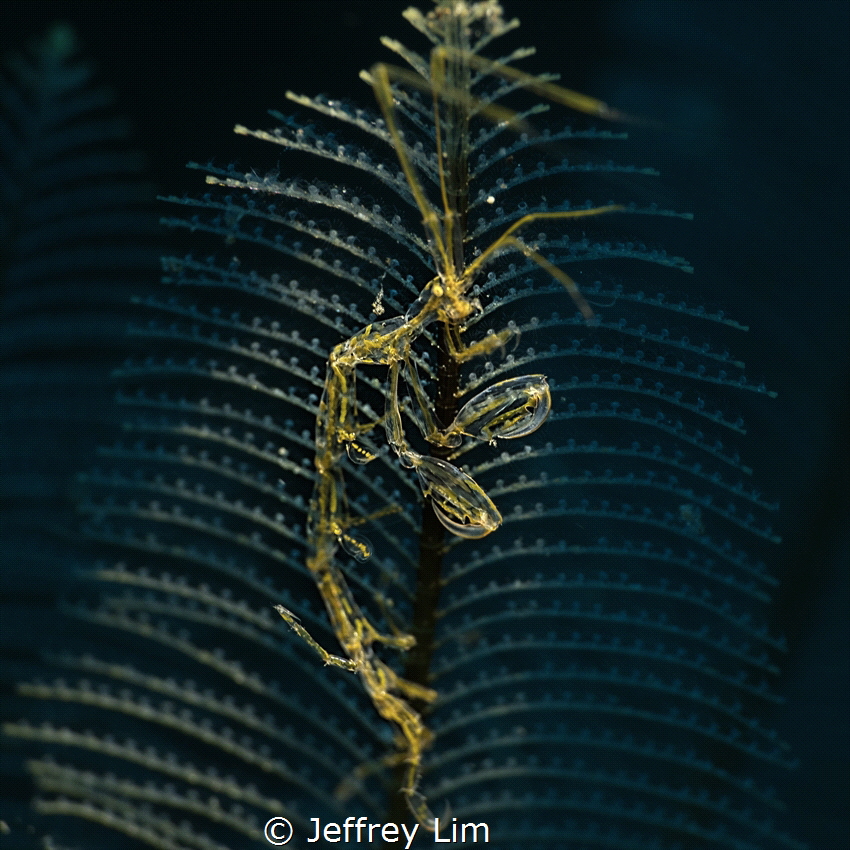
753,138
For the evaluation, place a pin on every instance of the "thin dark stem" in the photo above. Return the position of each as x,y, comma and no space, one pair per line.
417,666
453,124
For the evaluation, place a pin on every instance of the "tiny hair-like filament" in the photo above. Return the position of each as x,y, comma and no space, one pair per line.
508,409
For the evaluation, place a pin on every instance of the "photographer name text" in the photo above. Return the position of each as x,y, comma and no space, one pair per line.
360,830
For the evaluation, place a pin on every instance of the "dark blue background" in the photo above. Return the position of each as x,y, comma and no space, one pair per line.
752,97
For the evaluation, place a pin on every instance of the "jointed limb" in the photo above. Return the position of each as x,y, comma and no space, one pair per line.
507,239
479,348
327,657
508,409
351,626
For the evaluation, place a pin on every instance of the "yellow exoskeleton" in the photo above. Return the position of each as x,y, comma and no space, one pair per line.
508,409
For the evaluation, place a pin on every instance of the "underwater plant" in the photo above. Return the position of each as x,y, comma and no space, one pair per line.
315,429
